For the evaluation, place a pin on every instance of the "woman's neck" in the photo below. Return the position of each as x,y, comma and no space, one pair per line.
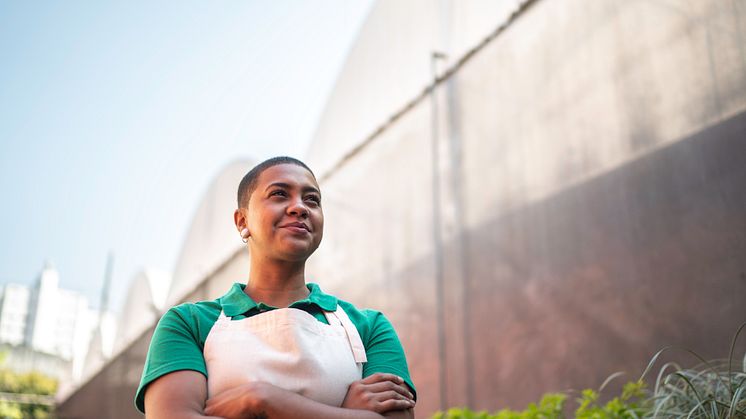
277,284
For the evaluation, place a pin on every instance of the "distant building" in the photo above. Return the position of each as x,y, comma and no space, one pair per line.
13,312
44,321
57,318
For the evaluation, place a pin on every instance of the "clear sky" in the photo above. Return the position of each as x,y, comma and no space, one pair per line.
115,116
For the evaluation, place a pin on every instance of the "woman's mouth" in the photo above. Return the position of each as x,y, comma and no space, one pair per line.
298,228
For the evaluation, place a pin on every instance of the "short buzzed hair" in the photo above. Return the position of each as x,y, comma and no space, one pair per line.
248,183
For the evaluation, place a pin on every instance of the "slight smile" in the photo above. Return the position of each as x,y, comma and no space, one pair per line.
297,227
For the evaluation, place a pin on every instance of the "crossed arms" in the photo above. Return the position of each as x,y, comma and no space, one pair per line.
183,394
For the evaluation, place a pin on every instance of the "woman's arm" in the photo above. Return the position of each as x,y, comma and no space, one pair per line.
263,401
179,394
182,394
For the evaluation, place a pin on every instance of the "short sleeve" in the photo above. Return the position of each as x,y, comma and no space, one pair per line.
384,350
174,347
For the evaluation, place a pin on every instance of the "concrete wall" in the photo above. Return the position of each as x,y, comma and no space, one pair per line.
390,63
592,192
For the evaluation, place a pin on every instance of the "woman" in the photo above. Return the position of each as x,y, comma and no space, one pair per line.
276,347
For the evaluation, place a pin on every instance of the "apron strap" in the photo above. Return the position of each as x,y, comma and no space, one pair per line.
356,344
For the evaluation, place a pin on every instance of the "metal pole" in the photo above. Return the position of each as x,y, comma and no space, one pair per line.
437,237
104,302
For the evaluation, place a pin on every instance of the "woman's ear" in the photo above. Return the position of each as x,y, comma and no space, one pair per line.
239,218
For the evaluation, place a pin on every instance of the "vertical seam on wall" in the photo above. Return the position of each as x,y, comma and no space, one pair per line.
522,7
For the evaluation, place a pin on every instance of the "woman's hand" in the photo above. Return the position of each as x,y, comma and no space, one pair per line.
246,401
182,394
379,393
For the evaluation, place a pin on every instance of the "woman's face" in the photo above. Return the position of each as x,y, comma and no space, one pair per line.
284,214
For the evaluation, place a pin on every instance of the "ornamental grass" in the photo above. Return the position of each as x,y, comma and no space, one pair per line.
711,390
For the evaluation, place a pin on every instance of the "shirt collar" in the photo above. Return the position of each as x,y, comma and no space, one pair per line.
236,302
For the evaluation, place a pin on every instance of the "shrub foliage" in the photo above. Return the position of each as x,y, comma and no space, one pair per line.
32,383
712,390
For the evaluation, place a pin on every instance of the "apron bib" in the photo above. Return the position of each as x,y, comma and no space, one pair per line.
288,348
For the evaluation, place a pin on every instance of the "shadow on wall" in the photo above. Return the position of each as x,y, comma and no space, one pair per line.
565,291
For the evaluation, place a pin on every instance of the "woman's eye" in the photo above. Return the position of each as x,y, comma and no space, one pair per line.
278,192
313,198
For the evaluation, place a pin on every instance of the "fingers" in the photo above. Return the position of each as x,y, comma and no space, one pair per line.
388,386
380,382
382,376
212,406
394,404
380,392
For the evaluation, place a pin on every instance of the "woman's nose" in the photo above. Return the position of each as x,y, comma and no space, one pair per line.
298,208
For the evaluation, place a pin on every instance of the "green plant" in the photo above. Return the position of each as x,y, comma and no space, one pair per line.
712,390
550,407
32,383
631,404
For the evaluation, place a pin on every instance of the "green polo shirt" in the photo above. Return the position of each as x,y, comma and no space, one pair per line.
179,337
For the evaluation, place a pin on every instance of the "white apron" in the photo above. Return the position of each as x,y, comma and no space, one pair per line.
289,348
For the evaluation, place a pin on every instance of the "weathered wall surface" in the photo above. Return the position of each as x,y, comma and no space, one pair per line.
389,64
592,197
